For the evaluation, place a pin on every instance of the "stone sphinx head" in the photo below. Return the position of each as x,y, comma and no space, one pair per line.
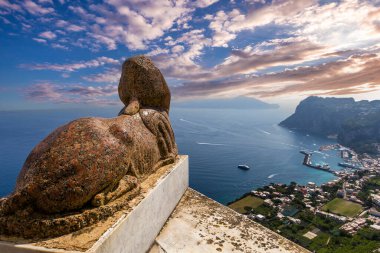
90,168
142,86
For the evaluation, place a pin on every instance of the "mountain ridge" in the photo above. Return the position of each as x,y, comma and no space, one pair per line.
356,123
239,102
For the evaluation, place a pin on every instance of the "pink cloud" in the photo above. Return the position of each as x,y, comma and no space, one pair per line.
70,67
39,40
9,6
48,35
42,92
36,9
357,73
47,92
109,76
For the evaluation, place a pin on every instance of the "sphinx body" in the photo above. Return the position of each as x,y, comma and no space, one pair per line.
90,162
84,160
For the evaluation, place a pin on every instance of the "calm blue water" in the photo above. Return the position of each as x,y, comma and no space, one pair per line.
216,141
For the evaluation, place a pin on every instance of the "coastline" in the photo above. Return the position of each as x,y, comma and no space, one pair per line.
363,159
306,214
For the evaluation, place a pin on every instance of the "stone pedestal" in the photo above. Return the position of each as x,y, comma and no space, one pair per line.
133,230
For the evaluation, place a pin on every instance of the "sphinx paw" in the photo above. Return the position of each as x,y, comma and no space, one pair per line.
132,108
98,200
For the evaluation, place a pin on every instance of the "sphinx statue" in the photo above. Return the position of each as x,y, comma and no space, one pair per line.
90,168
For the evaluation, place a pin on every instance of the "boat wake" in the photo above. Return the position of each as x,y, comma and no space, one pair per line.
273,175
321,153
211,144
210,128
265,132
190,122
289,145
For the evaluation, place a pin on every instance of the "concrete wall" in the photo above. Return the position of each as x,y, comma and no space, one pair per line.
137,232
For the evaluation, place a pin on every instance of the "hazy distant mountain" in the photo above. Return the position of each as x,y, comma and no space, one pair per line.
356,124
231,103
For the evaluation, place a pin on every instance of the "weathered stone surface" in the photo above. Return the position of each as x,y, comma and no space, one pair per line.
72,177
199,224
142,86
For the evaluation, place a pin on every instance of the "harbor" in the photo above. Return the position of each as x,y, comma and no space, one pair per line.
351,160
307,162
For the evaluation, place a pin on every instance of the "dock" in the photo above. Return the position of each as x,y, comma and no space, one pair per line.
307,162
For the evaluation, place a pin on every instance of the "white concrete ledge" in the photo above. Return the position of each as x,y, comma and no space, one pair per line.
135,231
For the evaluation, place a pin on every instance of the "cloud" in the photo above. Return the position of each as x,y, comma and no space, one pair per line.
5,21
257,47
5,4
75,28
220,24
351,75
204,3
59,46
36,9
275,67
282,53
226,25
70,67
134,24
42,92
48,92
343,24
184,65
109,76
46,2
40,40
177,49
251,59
61,23
157,51
355,72
48,35
110,43
90,91
26,5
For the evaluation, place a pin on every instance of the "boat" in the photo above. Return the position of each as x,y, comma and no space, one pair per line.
348,165
243,166
304,152
323,167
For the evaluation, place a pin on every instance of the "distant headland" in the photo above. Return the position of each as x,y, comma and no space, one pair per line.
240,102
353,124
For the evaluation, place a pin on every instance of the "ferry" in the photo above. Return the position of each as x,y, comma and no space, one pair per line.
243,166
324,167
348,165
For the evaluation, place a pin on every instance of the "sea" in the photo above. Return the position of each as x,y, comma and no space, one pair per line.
216,140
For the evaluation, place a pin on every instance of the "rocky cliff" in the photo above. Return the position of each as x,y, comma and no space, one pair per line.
356,124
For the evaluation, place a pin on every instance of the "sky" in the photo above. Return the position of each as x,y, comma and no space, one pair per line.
63,54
